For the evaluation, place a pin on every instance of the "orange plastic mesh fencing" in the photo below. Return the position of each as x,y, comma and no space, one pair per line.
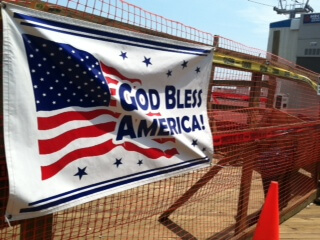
264,113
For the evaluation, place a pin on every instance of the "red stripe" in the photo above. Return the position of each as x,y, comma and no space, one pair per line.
113,91
153,153
45,123
55,144
164,140
112,81
51,170
113,103
113,71
153,114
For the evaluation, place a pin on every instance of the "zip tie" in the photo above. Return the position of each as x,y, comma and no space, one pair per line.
7,220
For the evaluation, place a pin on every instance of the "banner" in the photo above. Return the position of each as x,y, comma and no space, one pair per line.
91,110
311,18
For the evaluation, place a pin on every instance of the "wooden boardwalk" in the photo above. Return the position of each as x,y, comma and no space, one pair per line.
304,225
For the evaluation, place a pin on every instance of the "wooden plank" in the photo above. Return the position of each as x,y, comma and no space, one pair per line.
238,83
39,228
225,107
271,91
248,165
286,213
304,225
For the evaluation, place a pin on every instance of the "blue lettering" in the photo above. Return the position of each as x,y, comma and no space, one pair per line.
162,127
195,123
187,97
170,92
154,99
145,130
199,97
183,124
179,105
142,99
126,128
125,105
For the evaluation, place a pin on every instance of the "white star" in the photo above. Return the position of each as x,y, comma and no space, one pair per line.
31,55
50,88
54,102
35,86
44,59
73,51
43,94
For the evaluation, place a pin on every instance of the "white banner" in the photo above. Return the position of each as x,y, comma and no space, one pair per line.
91,110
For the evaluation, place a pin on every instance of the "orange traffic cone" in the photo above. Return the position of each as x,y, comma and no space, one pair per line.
268,224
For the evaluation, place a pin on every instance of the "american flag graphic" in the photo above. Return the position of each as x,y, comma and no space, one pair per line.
72,86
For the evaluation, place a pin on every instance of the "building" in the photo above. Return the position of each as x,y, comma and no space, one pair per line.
297,40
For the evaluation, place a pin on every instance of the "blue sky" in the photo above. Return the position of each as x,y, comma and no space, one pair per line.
240,20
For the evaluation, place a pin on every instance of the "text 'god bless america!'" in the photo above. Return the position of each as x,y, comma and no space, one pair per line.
149,101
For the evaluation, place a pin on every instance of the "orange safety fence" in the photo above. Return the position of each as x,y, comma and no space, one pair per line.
264,113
